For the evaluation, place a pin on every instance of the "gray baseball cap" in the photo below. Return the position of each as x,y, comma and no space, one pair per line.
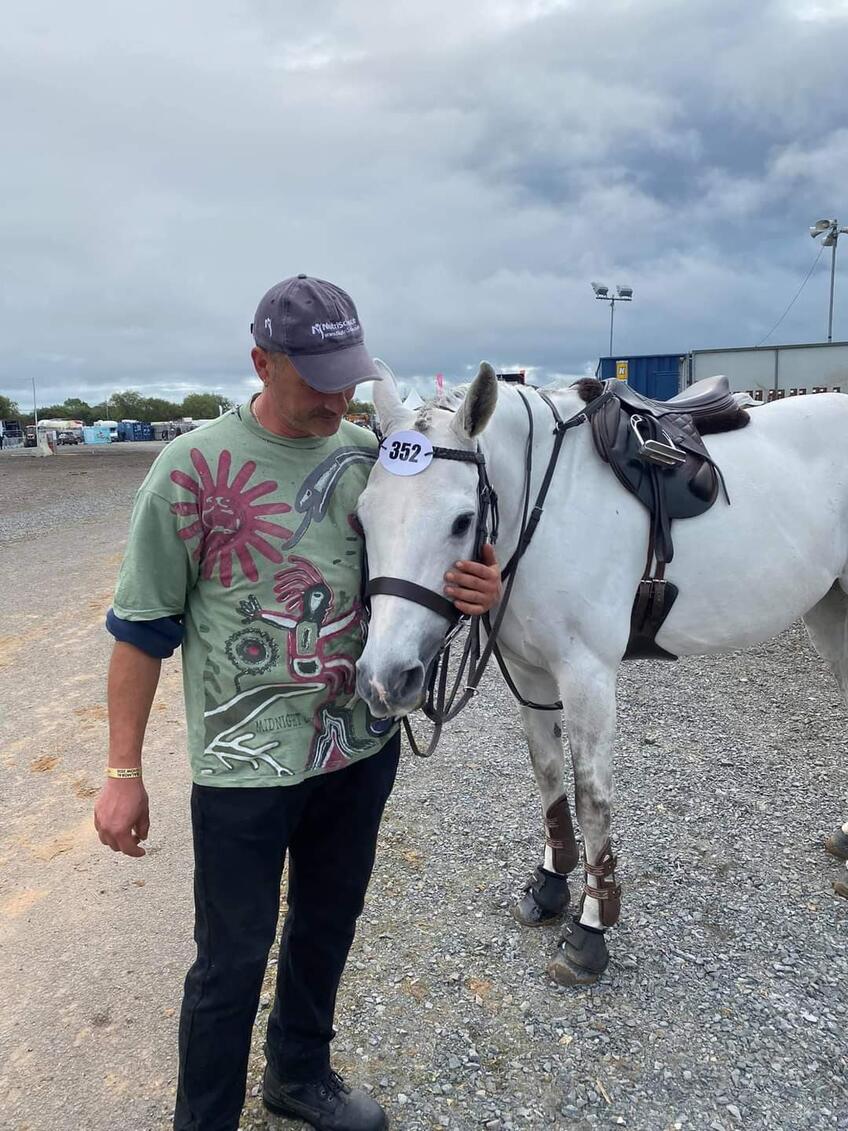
316,325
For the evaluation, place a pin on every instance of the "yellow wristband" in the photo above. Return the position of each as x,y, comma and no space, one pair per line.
123,771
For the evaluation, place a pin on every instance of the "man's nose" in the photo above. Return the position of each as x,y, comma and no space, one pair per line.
338,402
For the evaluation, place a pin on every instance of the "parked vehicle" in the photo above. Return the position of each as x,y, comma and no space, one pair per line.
67,438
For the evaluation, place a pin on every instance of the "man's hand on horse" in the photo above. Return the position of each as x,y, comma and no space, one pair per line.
474,587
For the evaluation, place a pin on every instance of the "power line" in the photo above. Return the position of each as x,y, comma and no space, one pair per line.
792,303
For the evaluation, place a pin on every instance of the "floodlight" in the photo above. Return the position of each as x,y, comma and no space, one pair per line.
600,290
821,226
625,292
829,240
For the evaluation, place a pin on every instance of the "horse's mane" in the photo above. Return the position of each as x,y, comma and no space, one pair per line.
451,399
587,387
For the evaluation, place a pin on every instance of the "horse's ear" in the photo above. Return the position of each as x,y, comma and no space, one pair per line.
476,410
386,397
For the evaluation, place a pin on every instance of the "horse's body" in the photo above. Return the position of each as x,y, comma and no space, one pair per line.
744,572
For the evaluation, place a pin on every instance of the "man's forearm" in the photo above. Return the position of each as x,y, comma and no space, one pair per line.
133,678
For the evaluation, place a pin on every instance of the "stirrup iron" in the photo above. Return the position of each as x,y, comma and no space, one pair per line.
655,451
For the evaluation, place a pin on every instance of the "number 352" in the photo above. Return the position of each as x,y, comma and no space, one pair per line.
404,451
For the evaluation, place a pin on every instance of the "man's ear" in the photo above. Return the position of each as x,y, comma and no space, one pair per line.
479,403
261,363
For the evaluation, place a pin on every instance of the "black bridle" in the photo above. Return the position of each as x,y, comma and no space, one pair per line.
440,705
487,529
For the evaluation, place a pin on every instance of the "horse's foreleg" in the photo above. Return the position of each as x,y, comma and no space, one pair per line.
827,624
546,895
588,688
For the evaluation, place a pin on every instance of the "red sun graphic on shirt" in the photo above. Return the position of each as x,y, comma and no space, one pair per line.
227,518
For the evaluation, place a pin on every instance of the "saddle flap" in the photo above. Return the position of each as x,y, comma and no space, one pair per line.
684,487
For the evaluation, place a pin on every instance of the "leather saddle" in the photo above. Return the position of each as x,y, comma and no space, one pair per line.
656,452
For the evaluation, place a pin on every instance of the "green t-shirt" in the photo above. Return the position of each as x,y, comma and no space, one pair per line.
252,537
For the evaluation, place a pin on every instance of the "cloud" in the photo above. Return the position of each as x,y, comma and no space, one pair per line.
463,170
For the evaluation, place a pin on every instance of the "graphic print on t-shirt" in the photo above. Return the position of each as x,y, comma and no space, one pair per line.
307,618
227,517
315,492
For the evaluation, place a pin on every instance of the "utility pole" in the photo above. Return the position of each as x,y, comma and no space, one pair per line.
34,407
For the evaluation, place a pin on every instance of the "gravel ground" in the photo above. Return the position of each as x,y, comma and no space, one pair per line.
75,486
725,1001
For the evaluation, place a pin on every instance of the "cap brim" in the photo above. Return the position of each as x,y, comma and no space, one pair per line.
339,369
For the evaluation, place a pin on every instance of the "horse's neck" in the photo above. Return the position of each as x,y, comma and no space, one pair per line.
504,445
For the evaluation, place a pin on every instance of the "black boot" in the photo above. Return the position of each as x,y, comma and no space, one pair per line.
328,1104
545,900
582,958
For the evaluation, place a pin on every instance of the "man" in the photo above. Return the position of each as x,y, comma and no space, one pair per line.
244,548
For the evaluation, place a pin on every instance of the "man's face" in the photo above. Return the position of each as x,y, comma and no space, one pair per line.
303,408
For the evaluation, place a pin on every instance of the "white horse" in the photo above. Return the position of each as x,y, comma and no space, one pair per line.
566,626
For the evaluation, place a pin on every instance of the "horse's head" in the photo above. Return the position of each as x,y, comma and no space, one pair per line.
416,528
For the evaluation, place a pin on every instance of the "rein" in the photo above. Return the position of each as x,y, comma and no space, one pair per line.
441,706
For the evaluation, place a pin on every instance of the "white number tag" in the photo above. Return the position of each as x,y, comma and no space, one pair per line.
406,453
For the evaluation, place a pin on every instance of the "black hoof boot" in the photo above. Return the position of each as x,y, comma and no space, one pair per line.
582,958
837,845
545,900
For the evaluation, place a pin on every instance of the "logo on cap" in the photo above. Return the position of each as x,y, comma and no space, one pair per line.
335,329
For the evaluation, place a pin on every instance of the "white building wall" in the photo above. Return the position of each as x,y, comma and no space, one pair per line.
775,367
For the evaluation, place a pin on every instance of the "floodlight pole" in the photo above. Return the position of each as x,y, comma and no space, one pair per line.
832,281
612,300
830,231
34,406
612,318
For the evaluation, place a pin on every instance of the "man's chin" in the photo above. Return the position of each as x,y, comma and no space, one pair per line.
326,426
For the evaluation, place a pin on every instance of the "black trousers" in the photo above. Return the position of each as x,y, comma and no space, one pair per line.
328,825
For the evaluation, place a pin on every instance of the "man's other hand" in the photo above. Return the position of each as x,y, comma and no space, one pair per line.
474,587
122,816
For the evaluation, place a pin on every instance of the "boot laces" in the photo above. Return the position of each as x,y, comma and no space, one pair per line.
334,1084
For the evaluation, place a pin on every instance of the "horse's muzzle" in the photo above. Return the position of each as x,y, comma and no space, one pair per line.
394,690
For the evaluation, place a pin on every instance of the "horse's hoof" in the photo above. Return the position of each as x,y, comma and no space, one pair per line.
837,845
841,888
582,958
545,900
569,974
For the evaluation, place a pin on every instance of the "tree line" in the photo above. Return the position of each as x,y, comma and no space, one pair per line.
131,405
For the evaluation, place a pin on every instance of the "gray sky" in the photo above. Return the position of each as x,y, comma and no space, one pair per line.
463,169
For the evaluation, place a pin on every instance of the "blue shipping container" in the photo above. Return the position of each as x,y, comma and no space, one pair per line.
653,375
135,430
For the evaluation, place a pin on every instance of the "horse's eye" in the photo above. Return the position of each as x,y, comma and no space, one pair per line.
461,525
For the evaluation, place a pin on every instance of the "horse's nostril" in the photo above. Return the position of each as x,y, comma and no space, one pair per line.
394,686
407,683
